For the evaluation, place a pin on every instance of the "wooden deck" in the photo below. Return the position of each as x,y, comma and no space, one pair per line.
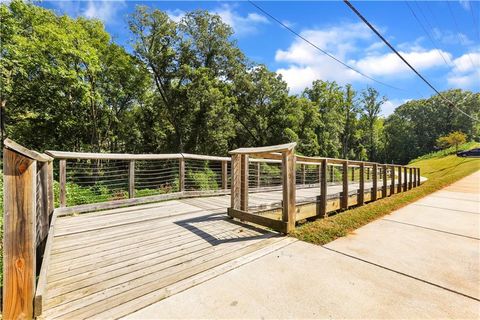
111,263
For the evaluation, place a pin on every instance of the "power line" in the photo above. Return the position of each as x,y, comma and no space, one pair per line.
402,58
319,49
427,33
457,28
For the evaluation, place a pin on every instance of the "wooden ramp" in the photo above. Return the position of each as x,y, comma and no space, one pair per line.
111,263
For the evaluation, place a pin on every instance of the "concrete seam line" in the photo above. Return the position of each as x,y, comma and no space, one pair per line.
430,206
437,230
402,273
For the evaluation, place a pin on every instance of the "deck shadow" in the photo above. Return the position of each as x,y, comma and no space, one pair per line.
214,221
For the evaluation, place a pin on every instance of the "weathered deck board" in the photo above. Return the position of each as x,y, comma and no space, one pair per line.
111,263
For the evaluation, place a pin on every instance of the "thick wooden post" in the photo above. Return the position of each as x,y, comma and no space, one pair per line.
384,176
368,173
235,170
303,174
244,183
410,181
332,175
289,190
405,179
131,179
344,200
361,181
19,235
224,174
414,179
181,174
399,186
374,181
323,188
392,180
63,182
418,176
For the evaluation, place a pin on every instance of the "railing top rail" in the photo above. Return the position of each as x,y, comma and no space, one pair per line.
267,149
12,145
128,156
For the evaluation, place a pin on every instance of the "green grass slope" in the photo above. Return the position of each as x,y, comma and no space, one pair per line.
441,168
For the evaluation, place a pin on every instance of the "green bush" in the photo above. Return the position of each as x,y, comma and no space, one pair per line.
203,180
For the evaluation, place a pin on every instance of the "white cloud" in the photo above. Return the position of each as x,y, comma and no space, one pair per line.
465,4
305,64
466,71
176,15
450,38
103,10
241,24
390,105
390,63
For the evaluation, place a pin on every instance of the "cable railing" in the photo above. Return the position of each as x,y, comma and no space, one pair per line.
310,186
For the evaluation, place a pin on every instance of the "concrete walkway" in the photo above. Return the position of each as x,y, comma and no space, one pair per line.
422,261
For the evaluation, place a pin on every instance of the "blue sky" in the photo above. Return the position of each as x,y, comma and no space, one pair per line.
445,50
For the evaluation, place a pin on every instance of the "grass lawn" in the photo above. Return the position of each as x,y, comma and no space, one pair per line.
441,169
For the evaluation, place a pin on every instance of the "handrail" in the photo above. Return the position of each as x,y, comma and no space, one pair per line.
12,145
267,149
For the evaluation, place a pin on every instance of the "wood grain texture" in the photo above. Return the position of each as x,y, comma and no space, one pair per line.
374,181
131,179
181,174
384,180
63,182
19,235
345,186
361,189
224,174
392,178
399,186
244,182
323,188
236,181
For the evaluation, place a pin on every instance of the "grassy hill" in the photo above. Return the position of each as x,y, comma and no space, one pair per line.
442,168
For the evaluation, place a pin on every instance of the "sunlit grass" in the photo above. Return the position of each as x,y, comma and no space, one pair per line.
441,171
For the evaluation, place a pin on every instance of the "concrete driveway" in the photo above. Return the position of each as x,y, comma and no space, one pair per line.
422,261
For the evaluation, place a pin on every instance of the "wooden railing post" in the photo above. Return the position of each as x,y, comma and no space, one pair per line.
181,174
384,177
332,174
19,252
323,188
224,174
368,173
410,181
131,179
344,200
392,180
63,182
405,179
289,189
418,176
399,186
42,205
244,183
361,181
374,181
236,165
51,196
414,179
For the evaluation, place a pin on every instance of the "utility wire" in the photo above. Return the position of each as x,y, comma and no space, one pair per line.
427,33
402,58
459,34
320,49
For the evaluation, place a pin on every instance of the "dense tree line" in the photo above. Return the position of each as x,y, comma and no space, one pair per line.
187,87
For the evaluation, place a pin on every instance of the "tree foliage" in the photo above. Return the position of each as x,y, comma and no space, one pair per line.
187,87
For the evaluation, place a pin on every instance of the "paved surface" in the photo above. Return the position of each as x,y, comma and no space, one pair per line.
422,261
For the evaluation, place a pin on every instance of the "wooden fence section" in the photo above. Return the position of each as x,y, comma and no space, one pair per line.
283,219
28,209
29,214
